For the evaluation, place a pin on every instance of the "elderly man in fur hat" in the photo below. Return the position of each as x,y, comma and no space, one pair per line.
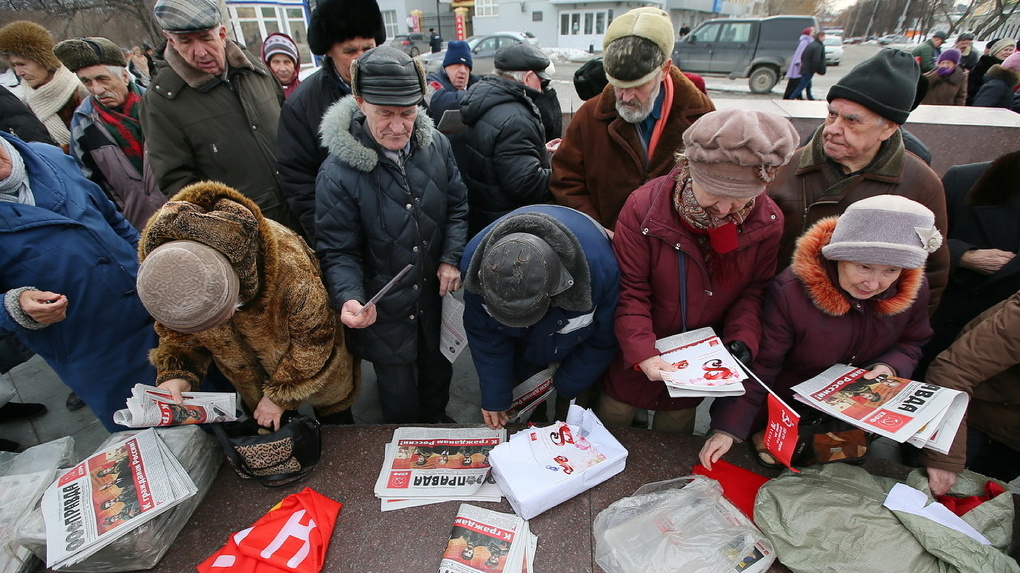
541,288
388,197
106,132
342,31
229,286
51,90
211,112
629,133
859,153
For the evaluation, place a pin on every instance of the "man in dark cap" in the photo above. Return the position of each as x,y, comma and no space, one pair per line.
211,112
389,197
858,153
968,55
629,133
106,132
927,51
446,89
508,157
340,30
541,288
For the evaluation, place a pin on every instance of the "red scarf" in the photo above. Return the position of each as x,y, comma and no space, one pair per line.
125,127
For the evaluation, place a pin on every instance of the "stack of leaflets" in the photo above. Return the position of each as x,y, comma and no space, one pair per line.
110,494
704,366
925,415
151,406
484,541
433,465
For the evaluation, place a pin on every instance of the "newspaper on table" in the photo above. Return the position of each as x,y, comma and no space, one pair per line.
704,366
530,394
484,541
151,406
433,465
110,494
903,410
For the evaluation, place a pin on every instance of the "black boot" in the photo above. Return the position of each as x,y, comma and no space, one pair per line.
12,411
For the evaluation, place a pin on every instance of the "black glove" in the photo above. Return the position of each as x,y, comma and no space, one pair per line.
740,351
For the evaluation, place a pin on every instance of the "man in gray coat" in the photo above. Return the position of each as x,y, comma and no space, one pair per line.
212,110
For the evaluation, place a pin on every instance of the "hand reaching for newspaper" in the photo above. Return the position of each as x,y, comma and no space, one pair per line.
940,481
175,386
878,370
654,366
268,414
715,446
495,420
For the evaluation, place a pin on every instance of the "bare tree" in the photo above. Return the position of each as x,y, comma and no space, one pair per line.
997,16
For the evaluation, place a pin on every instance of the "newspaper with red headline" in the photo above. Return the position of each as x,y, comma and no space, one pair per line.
529,395
109,494
150,406
704,366
484,541
897,408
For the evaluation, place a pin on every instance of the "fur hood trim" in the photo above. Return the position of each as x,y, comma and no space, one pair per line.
576,298
336,134
199,80
217,216
1007,75
813,271
997,186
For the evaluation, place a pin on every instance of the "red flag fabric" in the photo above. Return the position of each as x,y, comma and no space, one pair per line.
291,538
740,486
781,431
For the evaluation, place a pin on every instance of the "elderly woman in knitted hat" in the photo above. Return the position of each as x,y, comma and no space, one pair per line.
855,294
51,90
947,83
696,248
229,286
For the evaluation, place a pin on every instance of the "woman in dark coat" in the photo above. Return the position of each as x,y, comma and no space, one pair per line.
707,226
856,294
999,83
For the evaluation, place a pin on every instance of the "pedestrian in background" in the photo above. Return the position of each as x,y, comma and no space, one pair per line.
812,62
793,73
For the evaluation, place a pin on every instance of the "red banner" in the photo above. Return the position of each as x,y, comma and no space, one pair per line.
781,431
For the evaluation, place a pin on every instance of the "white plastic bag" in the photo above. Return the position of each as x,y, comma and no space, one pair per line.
680,525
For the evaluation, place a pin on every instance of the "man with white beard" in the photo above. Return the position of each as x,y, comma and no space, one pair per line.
630,132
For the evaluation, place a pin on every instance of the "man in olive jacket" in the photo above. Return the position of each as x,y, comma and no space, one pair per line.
212,110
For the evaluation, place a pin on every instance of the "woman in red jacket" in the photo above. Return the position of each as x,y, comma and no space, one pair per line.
856,294
696,248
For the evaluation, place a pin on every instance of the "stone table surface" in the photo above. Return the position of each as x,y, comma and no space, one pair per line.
367,540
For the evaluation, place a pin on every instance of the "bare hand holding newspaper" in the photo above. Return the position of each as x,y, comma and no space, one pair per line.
151,406
704,366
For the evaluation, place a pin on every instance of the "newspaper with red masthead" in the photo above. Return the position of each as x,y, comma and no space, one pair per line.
151,406
109,494
904,410
484,541
704,366
433,465
529,395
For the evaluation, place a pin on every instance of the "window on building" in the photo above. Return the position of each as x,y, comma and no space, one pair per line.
486,8
536,16
390,21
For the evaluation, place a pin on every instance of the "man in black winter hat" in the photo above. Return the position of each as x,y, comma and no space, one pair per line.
858,153
341,31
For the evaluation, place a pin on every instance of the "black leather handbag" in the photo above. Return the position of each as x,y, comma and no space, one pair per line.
273,459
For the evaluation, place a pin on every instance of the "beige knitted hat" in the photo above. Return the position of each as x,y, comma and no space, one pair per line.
187,286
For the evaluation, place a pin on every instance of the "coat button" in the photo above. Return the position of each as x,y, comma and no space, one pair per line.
168,93
411,317
415,287
415,249
644,231
773,217
408,206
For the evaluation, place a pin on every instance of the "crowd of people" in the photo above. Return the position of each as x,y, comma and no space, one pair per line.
227,225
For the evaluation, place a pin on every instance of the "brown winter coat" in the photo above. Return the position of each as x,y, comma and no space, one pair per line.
284,342
602,158
810,188
984,362
949,90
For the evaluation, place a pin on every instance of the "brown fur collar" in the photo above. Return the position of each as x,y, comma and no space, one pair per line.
1007,75
196,78
998,185
810,268
220,217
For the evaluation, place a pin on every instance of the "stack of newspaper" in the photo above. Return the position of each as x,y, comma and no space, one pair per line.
484,541
433,465
925,415
109,494
704,366
150,406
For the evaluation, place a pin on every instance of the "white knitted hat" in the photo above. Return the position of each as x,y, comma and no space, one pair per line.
884,230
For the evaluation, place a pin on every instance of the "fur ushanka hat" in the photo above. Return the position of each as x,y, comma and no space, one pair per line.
29,40
335,21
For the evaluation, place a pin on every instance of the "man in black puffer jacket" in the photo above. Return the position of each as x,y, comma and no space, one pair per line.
390,195
508,164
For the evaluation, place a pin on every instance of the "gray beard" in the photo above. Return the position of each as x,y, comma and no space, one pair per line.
632,114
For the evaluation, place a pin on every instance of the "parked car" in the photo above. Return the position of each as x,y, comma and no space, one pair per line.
412,44
893,39
833,49
755,48
483,51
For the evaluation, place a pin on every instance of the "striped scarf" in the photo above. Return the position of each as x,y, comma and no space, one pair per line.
124,125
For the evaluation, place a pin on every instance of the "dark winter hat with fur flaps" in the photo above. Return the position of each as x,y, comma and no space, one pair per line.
188,287
387,76
84,52
335,21
29,40
526,263
885,83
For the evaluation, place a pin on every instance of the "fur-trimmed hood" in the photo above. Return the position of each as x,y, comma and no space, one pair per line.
818,273
577,298
217,216
997,72
343,123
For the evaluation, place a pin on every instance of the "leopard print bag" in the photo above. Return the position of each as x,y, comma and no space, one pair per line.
274,459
